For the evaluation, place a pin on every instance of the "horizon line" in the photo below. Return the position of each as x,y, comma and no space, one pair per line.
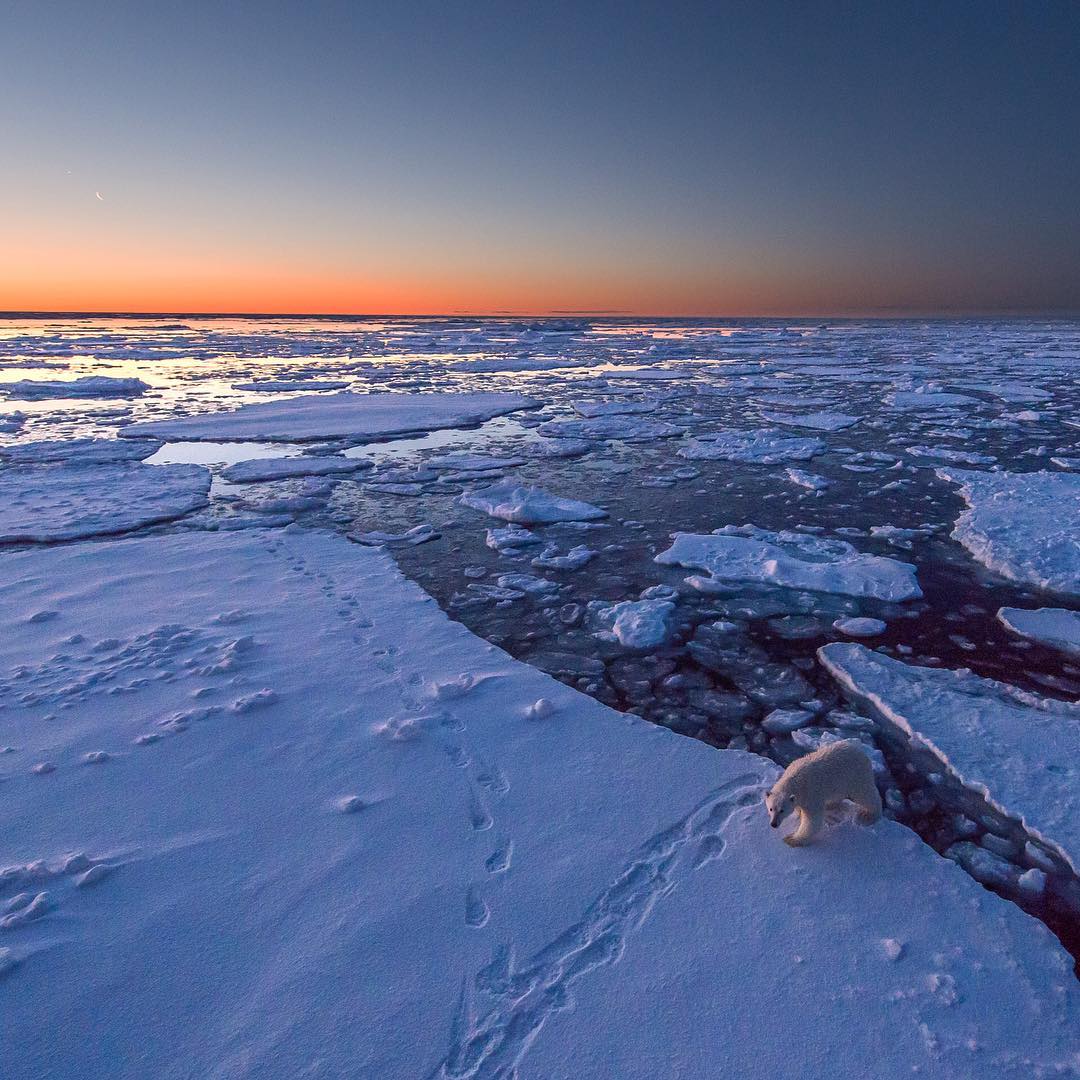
873,313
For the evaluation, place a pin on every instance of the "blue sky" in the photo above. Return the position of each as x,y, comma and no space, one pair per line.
745,158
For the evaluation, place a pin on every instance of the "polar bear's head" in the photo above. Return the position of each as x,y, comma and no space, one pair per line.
779,804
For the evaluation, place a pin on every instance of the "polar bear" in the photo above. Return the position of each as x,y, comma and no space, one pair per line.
832,773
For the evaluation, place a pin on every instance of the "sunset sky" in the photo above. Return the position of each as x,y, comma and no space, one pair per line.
718,158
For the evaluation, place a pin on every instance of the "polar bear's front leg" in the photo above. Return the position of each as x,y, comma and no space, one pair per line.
810,822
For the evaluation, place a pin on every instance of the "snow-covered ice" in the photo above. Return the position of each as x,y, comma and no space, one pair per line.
335,416
92,386
789,560
78,451
761,447
635,624
1019,751
1023,526
399,864
819,421
525,505
44,503
1058,628
258,470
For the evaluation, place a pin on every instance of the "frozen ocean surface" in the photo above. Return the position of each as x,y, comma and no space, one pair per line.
243,754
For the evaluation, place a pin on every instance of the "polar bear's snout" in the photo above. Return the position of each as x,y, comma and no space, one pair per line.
778,807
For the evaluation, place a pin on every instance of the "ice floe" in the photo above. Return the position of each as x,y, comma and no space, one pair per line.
77,451
1018,751
763,447
634,624
819,421
524,505
97,386
1057,628
285,386
335,416
625,428
1023,526
790,560
43,503
261,470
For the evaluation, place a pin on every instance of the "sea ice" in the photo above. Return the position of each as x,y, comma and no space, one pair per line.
45,503
1018,750
77,451
1023,526
762,447
819,421
284,386
625,428
807,480
335,416
860,627
790,560
261,470
635,624
1058,628
529,505
928,399
90,386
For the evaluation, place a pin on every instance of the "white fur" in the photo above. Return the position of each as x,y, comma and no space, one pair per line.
810,785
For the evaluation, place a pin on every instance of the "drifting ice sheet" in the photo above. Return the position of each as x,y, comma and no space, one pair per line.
77,451
43,503
1020,751
90,386
1056,627
258,470
1023,526
335,416
790,560
391,851
529,505
761,447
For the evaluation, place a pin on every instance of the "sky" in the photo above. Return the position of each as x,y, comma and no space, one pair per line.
753,158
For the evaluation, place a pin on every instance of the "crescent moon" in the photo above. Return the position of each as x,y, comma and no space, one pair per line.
99,196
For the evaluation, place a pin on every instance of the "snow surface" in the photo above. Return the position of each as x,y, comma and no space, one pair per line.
335,416
381,848
1058,628
90,386
790,560
529,505
77,451
1018,750
44,503
1023,526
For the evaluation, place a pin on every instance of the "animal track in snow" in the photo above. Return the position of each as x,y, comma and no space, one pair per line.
479,816
498,862
113,666
477,912
493,1041
29,902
